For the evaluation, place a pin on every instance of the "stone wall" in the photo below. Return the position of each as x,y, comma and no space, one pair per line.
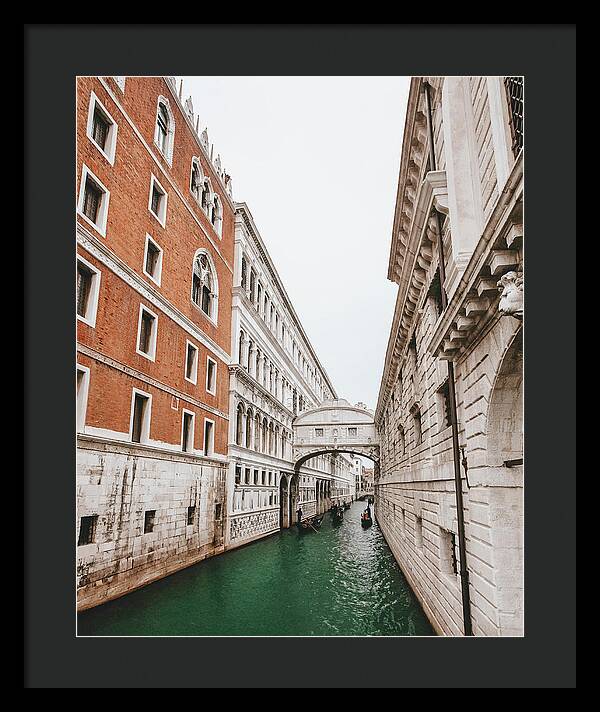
119,483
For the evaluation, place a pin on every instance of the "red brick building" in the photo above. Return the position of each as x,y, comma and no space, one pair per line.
154,230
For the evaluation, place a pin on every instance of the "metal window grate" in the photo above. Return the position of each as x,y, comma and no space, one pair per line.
514,95
84,285
100,128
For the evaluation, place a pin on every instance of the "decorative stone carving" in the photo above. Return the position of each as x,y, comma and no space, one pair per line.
510,286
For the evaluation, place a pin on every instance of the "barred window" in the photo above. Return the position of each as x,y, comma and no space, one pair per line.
87,530
191,514
149,517
514,95
100,128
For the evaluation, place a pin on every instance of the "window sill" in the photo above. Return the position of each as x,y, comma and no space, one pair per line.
100,229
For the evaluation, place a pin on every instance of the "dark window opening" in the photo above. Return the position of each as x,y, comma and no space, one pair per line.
146,326
208,438
514,95
191,514
190,361
152,257
87,530
453,560
100,128
187,440
149,517
84,286
139,411
418,432
238,475
92,200
218,510
157,197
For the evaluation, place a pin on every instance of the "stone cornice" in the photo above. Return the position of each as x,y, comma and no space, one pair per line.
498,251
240,373
93,442
244,212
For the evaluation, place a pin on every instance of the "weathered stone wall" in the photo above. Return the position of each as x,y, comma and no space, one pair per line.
120,483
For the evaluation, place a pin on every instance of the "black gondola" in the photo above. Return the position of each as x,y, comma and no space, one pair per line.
310,524
366,520
337,514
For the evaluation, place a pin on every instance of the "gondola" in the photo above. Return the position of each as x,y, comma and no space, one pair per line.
337,514
311,524
366,520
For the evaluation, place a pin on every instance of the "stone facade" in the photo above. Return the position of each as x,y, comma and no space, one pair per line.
154,234
275,376
473,192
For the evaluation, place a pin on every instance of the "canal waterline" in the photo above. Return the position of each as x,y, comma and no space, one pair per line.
341,580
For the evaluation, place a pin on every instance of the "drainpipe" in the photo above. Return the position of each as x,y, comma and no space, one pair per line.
460,513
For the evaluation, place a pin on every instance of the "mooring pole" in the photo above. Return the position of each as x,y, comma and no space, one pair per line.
460,513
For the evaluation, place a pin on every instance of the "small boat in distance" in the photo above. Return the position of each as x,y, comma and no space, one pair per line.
366,520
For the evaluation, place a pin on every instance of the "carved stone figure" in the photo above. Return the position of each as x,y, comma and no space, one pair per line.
510,286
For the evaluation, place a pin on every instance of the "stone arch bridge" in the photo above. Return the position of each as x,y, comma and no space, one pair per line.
336,426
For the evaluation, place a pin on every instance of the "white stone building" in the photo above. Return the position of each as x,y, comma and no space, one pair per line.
274,376
461,177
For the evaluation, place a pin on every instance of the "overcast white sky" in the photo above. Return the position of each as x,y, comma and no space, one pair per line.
317,160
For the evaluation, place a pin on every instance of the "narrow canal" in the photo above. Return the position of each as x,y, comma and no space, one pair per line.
341,580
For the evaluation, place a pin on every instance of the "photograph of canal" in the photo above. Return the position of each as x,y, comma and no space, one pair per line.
341,580
237,476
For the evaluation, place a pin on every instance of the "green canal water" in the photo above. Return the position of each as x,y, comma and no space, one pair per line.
342,580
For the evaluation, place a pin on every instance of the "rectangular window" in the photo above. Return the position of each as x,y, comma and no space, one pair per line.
83,380
448,561
153,255
514,95
88,291
218,510
140,425
87,530
93,201
319,432
149,518
147,328
417,425
102,129
209,437
191,514
158,201
248,476
211,376
352,432
238,475
187,432
191,363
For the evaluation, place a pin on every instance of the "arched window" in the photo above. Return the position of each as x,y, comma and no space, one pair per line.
205,193
241,348
204,285
257,433
196,179
244,279
283,444
263,436
165,128
216,214
248,442
239,424
271,439
276,441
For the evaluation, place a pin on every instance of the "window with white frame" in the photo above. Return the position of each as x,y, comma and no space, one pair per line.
164,133
204,285
93,201
146,335
216,214
196,180
211,377
153,258
83,382
191,363
87,292
187,431
209,436
140,416
157,203
102,129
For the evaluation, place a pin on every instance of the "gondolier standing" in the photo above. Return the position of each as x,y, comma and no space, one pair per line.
299,514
